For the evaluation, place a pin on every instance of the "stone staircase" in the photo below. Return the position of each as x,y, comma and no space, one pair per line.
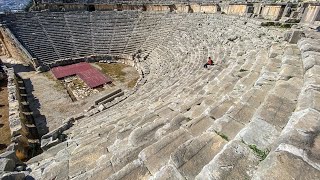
253,115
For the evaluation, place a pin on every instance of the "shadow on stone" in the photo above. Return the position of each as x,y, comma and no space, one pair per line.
34,104
3,146
40,120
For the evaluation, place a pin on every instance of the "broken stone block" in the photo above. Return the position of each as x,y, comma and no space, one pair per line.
7,164
295,36
11,155
13,176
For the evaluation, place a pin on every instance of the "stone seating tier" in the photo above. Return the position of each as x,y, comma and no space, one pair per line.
253,115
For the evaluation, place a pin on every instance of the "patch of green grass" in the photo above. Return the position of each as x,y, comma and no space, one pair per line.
78,83
225,137
260,153
57,85
114,70
133,82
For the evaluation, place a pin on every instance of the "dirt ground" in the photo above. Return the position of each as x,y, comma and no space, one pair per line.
5,137
50,101
124,76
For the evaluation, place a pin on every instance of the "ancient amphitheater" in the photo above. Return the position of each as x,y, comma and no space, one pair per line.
255,114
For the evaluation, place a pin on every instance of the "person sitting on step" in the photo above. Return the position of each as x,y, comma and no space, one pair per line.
210,62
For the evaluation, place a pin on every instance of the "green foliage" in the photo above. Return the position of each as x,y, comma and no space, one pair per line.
225,137
260,153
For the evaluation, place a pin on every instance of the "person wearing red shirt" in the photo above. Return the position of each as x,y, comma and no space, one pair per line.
210,62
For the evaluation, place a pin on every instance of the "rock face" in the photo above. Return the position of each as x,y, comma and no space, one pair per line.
252,115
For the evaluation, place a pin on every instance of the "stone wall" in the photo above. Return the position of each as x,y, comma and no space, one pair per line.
236,9
182,8
20,123
268,11
157,8
19,131
209,8
312,14
272,12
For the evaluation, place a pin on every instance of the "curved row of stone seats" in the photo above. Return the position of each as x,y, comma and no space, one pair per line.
58,34
194,130
80,34
28,30
298,145
186,121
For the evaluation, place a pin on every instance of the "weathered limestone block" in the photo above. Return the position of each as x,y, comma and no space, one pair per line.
84,160
310,59
226,126
13,175
55,136
266,78
56,170
167,172
195,7
11,155
122,157
219,108
274,51
157,155
198,125
142,134
302,133
309,98
259,133
195,111
289,71
312,77
292,60
286,166
276,110
133,170
173,125
7,164
243,110
309,45
192,155
295,36
288,89
48,143
181,8
235,161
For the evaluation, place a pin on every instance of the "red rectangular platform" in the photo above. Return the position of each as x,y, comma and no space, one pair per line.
91,76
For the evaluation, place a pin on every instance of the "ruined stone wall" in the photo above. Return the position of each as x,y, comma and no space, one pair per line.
272,12
257,8
208,9
236,9
157,8
182,8
195,8
312,14
18,130
132,7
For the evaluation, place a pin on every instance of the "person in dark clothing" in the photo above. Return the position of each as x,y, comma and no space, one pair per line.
210,62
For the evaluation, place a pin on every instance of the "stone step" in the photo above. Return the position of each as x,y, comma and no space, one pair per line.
284,165
191,156
133,170
240,113
235,161
158,154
